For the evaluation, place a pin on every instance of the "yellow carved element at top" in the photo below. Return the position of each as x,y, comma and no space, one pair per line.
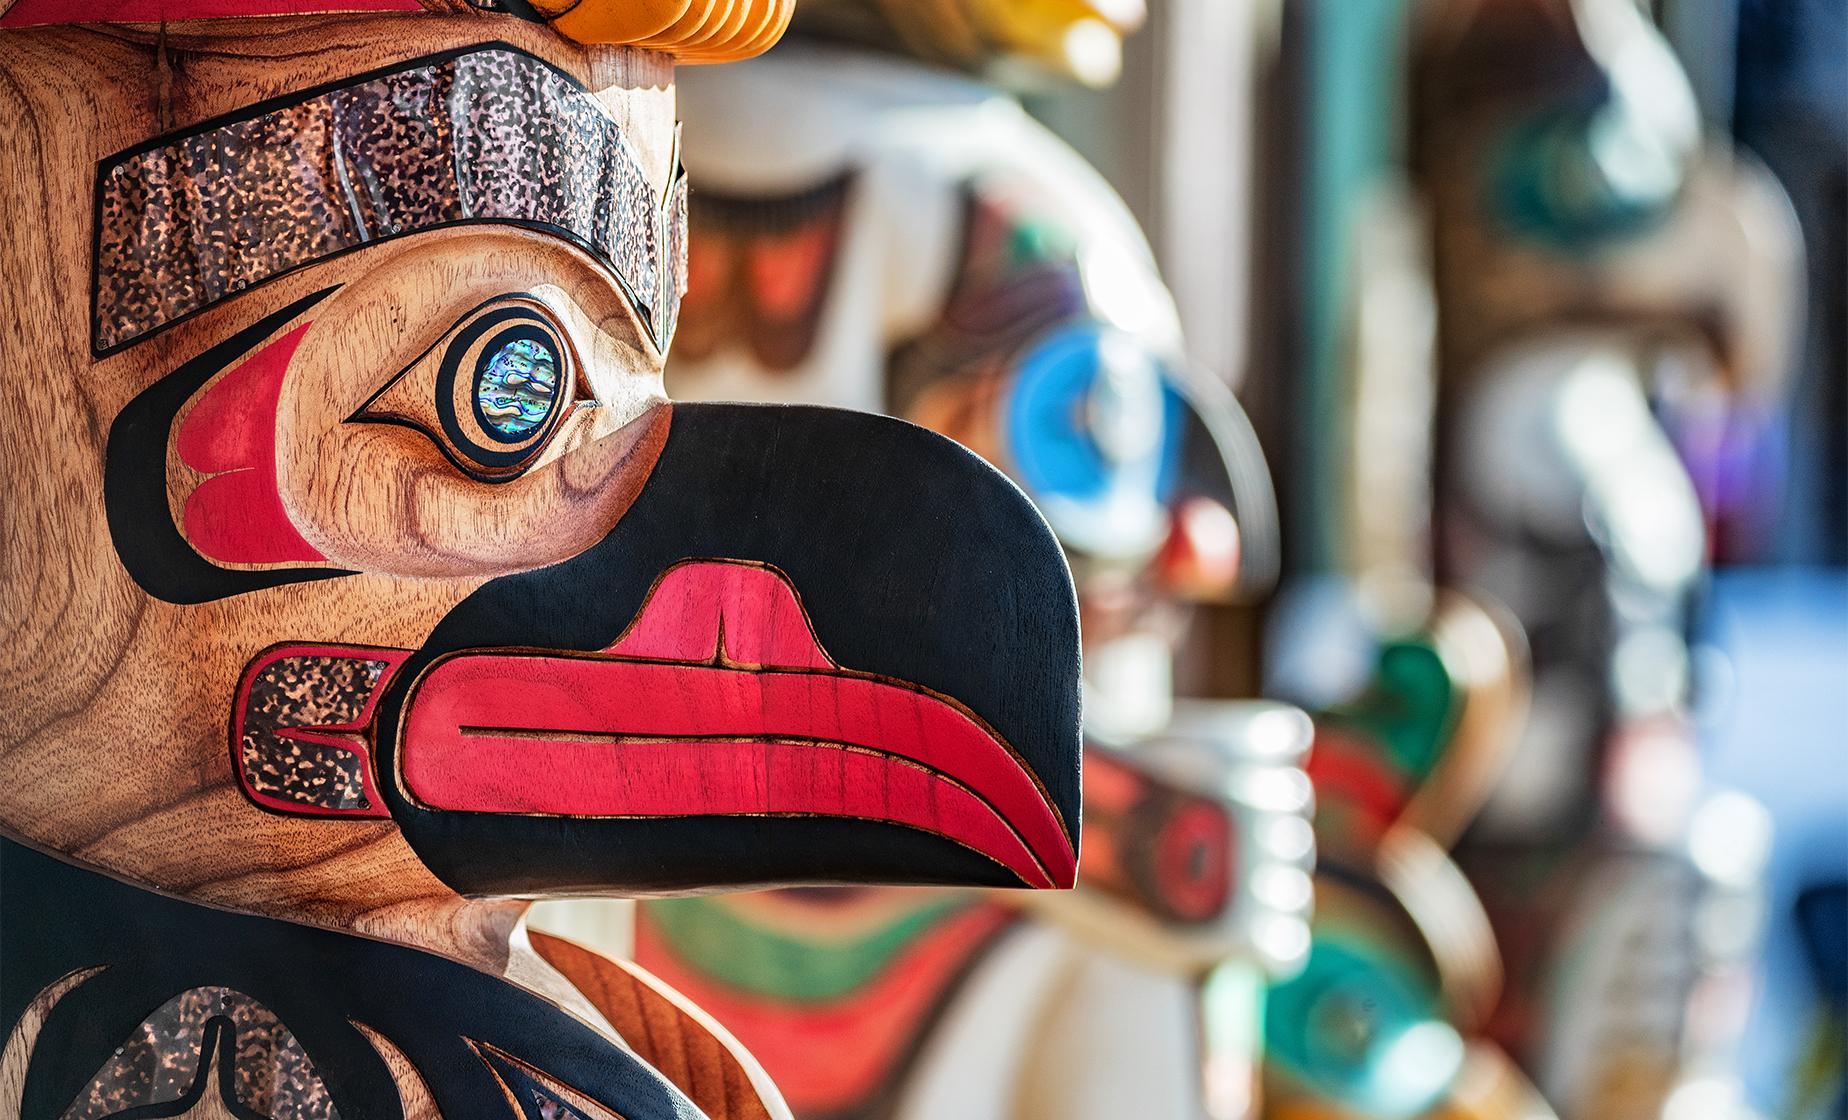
690,30
1082,38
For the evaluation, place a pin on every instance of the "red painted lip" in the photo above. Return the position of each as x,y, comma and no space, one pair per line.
718,700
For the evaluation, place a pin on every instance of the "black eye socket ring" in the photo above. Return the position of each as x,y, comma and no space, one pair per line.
525,324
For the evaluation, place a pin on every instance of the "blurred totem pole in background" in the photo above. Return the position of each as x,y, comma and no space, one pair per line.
876,233
1387,1019
1384,1021
1424,693
1597,263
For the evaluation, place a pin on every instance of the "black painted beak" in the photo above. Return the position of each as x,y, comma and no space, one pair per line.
821,647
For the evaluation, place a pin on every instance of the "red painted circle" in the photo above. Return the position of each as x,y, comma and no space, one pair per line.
1193,862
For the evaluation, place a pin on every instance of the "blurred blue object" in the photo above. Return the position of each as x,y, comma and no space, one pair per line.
1821,1087
1096,429
1822,916
1780,733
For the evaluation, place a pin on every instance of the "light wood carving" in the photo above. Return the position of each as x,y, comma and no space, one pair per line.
361,581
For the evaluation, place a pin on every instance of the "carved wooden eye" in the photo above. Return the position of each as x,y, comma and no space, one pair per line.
491,393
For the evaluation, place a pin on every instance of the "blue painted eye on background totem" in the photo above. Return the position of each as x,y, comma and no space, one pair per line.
1096,429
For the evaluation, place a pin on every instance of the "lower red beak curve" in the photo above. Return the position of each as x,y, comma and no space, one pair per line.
718,700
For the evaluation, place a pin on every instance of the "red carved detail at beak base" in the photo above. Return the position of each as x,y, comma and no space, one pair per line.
300,738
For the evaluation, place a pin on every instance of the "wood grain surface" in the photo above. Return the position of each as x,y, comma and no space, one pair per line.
689,1047
282,464
112,747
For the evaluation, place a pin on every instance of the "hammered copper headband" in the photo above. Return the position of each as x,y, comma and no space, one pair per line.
487,135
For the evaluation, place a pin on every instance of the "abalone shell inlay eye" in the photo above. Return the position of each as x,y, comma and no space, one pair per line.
516,388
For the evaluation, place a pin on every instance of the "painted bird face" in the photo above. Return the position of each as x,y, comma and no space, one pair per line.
1559,145
364,537
1046,362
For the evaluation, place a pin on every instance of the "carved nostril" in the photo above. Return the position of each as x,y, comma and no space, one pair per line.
724,611
299,737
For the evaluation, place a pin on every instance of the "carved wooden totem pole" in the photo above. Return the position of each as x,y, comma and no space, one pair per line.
360,580
1384,1021
1596,263
879,234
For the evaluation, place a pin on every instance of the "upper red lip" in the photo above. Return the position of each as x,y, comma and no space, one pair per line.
719,700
